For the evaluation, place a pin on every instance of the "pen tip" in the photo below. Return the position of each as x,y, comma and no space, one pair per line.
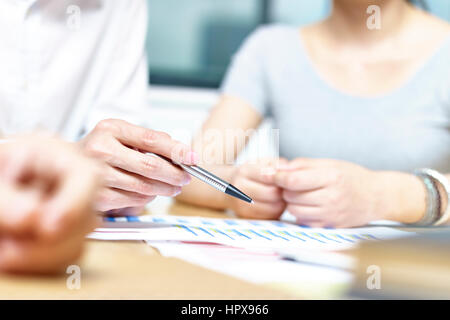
252,202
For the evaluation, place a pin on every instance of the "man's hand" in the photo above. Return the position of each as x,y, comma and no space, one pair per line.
46,194
133,178
258,182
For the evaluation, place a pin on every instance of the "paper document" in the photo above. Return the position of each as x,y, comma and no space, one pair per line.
238,232
258,266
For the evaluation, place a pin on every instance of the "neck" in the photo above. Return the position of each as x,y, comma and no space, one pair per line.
348,20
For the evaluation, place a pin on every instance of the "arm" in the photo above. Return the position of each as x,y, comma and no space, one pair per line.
245,100
216,150
325,192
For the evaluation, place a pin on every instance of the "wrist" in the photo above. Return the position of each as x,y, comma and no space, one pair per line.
402,197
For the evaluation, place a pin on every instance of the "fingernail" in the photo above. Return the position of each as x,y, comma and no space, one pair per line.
191,157
186,180
177,192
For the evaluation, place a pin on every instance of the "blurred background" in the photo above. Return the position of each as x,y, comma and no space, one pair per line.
191,42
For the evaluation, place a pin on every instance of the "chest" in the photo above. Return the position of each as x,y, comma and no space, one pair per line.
399,131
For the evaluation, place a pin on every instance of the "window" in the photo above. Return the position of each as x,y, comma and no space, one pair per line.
191,42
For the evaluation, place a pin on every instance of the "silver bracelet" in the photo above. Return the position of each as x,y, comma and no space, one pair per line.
445,184
433,201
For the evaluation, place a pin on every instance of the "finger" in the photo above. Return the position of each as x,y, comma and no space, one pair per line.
15,163
111,198
305,212
301,163
261,210
131,211
119,179
71,203
18,210
154,141
261,192
149,166
301,180
27,255
259,173
311,223
306,198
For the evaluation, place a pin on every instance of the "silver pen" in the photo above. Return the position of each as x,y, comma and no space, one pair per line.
211,179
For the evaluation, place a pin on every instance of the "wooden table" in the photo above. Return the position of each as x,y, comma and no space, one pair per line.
133,270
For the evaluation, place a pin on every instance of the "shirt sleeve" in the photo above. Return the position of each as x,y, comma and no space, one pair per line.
245,78
123,91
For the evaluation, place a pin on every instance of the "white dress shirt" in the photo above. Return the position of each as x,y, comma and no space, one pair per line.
66,64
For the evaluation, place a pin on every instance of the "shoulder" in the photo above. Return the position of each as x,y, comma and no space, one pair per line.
271,35
429,27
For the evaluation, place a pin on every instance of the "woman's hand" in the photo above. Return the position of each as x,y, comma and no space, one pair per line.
257,180
133,178
47,189
332,193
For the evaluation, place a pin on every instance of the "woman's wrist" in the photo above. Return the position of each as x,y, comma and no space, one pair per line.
403,197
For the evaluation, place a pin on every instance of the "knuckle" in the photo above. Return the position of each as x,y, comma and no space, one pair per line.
332,198
107,125
291,180
150,164
286,195
142,187
337,176
163,135
152,137
96,149
143,200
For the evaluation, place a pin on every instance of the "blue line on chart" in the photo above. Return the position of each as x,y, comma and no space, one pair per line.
371,236
285,232
254,232
307,235
324,236
342,237
186,228
205,231
221,232
276,235
240,234
278,224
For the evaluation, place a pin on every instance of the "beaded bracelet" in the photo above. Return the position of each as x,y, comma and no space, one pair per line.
445,184
433,201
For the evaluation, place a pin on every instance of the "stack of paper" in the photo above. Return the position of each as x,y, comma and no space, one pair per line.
239,233
258,251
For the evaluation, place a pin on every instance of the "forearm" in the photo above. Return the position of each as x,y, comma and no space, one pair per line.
202,194
403,197
218,149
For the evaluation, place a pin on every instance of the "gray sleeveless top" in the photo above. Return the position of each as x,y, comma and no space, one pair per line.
405,129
